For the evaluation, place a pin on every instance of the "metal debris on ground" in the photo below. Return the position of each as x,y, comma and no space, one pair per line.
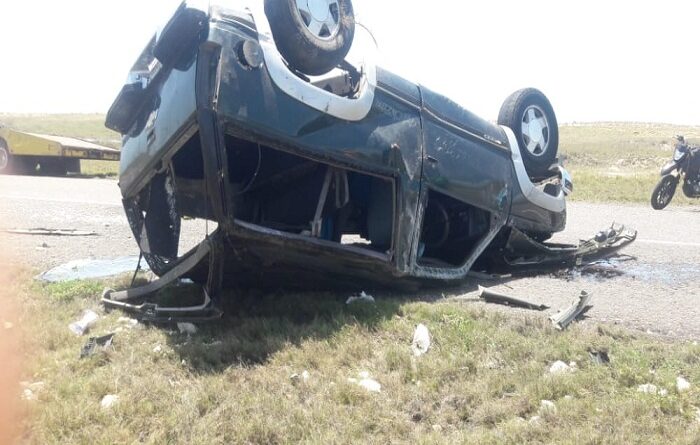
95,344
50,232
90,269
421,340
83,325
494,297
563,319
187,328
599,357
362,298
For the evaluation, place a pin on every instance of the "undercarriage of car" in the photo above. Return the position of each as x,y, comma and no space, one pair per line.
354,178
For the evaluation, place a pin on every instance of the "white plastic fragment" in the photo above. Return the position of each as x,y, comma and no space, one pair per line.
187,328
560,367
158,349
362,298
547,407
366,382
682,385
109,401
8,325
129,322
421,340
304,377
83,325
648,389
29,393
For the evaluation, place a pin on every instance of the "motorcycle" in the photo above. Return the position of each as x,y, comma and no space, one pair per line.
685,166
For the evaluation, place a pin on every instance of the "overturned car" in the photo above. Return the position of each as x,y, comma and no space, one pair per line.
320,170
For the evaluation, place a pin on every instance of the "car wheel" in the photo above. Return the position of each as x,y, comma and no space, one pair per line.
314,36
530,115
4,158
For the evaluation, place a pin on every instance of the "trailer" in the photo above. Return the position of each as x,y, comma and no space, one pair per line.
22,153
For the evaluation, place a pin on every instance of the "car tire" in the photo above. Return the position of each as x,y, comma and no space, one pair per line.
314,36
530,115
5,158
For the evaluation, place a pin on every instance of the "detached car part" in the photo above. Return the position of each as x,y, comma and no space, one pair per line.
490,296
562,320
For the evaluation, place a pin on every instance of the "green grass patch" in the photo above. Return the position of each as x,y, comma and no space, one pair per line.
482,381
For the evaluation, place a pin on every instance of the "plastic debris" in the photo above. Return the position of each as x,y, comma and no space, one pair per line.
50,232
187,328
129,322
563,319
421,340
82,326
362,298
90,269
158,349
682,385
547,407
109,401
366,382
8,325
30,390
95,344
494,297
304,377
562,368
648,389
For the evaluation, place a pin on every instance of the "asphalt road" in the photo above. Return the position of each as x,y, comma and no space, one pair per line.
659,291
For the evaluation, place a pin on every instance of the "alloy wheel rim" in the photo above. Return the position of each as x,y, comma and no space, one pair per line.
535,130
321,17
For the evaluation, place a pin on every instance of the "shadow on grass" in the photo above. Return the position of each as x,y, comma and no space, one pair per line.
259,325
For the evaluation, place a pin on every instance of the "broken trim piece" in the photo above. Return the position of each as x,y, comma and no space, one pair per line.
563,319
50,232
493,297
155,314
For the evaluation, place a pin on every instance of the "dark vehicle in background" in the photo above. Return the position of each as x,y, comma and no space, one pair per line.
685,168
318,168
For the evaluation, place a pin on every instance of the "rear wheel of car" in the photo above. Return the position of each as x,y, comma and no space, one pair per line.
530,115
314,36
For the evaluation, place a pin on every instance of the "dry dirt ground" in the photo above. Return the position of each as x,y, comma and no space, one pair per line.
658,291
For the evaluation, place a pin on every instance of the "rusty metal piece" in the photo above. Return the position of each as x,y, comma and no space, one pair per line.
494,297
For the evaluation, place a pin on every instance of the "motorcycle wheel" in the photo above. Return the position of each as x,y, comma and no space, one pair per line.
664,192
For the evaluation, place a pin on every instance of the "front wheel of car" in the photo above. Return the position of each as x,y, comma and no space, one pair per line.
5,160
313,36
530,115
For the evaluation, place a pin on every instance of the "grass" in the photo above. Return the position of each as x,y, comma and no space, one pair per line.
482,381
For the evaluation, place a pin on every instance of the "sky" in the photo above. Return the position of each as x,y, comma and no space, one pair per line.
596,60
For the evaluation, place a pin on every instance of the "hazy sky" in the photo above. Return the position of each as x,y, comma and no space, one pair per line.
596,60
